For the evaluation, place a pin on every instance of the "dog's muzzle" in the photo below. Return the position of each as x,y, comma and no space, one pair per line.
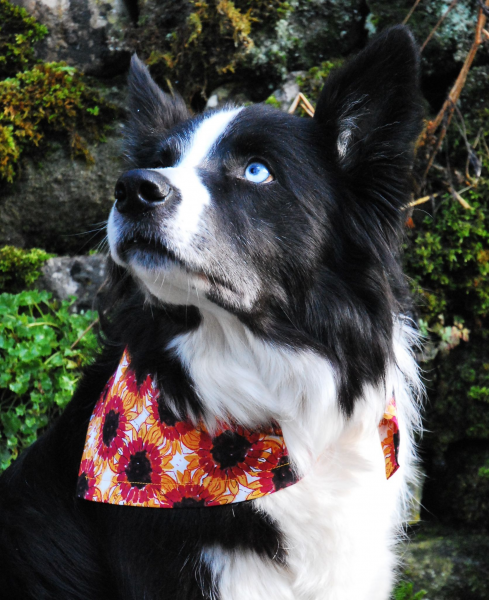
141,190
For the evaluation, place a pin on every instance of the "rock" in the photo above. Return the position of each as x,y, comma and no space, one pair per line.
60,205
287,92
86,34
226,94
80,276
448,564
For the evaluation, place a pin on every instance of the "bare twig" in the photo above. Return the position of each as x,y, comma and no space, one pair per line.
294,105
440,21
458,197
446,112
304,103
408,16
421,200
484,7
92,324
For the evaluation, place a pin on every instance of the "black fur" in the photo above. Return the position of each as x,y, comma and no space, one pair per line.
325,239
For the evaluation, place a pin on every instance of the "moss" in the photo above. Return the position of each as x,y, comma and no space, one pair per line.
405,591
272,101
20,268
209,45
312,82
448,259
50,100
448,564
18,33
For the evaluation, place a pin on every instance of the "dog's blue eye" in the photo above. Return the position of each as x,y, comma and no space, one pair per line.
257,173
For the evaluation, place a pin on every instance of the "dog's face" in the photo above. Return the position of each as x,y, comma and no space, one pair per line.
230,207
290,223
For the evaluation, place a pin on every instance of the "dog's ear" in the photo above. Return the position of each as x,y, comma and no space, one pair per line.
371,112
152,113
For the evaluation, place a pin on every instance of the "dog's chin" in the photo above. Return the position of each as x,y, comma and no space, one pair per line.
168,279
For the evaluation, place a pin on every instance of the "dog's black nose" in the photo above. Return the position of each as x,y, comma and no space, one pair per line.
140,190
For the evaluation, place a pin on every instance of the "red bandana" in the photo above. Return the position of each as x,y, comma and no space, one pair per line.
137,454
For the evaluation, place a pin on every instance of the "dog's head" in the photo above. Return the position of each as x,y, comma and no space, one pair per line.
292,224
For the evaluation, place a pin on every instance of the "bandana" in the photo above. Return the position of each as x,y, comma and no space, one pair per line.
390,437
138,454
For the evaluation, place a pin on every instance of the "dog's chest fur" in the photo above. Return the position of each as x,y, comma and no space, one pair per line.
343,516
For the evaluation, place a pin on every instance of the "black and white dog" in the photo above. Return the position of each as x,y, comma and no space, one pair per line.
255,277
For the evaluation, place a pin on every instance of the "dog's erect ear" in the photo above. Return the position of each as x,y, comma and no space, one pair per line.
152,113
370,109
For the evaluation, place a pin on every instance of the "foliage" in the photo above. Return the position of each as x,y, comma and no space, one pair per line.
18,33
404,591
20,268
311,83
41,356
449,260
51,99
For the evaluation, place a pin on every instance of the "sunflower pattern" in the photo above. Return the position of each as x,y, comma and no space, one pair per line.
390,437
138,453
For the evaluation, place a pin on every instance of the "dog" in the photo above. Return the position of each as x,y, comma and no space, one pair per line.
255,301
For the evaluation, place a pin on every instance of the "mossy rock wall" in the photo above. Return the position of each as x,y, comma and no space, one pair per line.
253,46
58,203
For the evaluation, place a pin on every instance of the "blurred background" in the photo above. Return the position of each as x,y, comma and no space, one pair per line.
63,67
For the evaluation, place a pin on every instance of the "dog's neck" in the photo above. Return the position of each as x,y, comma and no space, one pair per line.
253,382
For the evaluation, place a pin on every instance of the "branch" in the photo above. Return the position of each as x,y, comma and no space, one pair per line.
446,112
411,12
440,21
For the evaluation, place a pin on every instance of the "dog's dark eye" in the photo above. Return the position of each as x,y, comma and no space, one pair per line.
257,173
164,159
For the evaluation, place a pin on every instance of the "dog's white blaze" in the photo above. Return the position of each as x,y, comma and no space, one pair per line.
184,177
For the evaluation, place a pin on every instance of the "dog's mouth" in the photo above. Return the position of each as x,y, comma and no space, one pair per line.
152,253
137,244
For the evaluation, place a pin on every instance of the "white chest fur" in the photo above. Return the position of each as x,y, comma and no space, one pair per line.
341,521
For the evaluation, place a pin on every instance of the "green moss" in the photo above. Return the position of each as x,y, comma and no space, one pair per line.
20,268
448,260
18,33
405,591
209,46
312,82
49,100
272,101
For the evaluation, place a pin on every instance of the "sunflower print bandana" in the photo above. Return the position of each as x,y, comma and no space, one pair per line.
390,437
138,454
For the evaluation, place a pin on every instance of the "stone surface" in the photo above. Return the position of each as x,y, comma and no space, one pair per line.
60,205
79,276
226,94
87,34
449,564
288,90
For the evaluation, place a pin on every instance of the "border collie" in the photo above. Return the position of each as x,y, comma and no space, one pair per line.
255,285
